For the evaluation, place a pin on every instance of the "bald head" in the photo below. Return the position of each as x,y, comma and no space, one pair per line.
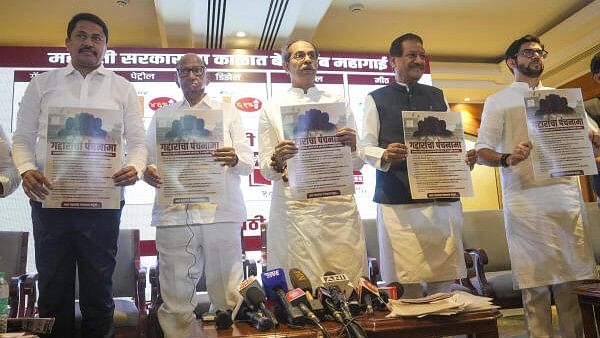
190,56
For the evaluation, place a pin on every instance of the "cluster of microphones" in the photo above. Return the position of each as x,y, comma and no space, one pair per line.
273,303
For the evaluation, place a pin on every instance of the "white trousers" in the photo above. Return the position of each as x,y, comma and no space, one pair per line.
538,315
186,251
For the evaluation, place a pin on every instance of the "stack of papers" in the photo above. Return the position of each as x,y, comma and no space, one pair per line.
440,304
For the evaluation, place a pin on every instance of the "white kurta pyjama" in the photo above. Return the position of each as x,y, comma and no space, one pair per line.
543,219
315,235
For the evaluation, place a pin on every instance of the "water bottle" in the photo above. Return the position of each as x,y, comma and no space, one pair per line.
3,303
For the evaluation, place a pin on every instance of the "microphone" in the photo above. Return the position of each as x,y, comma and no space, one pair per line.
353,329
340,280
332,283
353,301
223,319
367,293
254,296
299,280
246,284
325,298
393,290
260,322
276,287
297,297
399,289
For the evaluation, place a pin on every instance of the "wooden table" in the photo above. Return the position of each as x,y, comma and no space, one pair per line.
589,302
480,324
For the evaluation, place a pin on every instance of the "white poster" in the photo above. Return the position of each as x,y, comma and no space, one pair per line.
436,155
557,126
323,165
84,151
185,142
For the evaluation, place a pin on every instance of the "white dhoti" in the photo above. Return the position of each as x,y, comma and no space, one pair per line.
421,242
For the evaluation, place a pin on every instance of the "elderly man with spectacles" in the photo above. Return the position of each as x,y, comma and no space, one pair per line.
196,237
318,234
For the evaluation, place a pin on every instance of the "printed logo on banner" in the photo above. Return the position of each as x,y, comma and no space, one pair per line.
248,104
158,102
358,177
250,136
252,230
256,178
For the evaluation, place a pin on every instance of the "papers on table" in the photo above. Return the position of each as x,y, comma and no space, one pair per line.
440,304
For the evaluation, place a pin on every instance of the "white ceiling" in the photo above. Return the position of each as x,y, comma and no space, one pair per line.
465,38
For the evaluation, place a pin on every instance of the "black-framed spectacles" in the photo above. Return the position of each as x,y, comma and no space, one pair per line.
530,53
300,56
199,70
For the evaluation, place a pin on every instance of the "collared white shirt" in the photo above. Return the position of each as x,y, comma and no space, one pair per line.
66,87
503,126
233,208
9,178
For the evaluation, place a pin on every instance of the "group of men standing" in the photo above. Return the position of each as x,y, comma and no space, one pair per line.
420,240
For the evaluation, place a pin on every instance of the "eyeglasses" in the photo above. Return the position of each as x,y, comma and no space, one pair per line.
96,38
199,70
530,53
300,56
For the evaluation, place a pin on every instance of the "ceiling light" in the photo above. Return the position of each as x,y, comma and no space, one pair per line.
240,34
121,3
467,99
356,8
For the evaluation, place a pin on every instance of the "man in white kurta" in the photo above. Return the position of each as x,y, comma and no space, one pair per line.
419,240
543,218
192,238
314,235
9,177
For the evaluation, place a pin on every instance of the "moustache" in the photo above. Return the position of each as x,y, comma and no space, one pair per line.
419,66
81,50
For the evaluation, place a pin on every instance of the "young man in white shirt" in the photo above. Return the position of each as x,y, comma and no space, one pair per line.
549,251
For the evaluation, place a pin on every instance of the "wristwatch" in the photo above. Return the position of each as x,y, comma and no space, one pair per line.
503,160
